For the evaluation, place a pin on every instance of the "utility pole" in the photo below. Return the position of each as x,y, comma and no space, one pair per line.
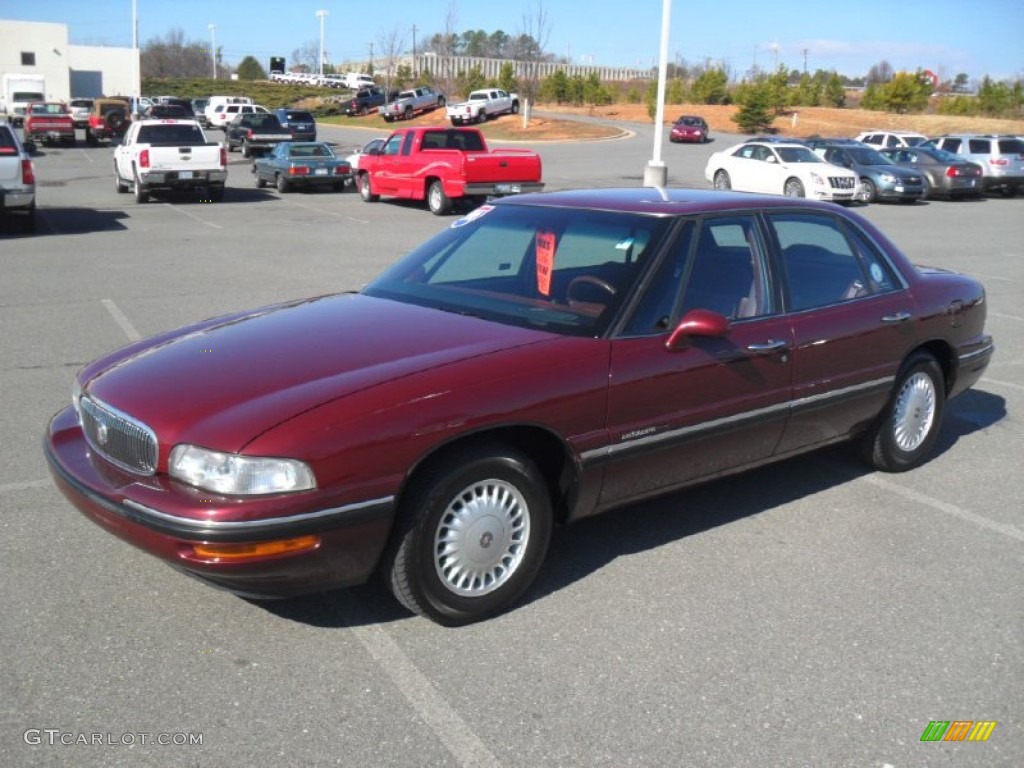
213,48
805,61
413,51
370,67
320,68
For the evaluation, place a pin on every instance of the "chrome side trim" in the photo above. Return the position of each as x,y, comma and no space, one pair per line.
188,523
986,350
727,421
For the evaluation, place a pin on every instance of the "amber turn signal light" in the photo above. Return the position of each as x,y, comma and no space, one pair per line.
218,551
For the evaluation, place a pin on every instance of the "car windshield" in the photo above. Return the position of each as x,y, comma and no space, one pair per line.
868,156
797,155
692,121
564,271
941,155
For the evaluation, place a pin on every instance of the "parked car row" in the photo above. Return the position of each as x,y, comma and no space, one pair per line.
352,81
953,166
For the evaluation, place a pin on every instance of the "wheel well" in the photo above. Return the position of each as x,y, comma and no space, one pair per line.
943,354
430,180
547,451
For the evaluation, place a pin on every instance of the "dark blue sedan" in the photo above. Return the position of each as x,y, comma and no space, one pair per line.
302,164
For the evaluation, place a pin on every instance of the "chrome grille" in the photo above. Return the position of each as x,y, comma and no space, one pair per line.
842,182
117,437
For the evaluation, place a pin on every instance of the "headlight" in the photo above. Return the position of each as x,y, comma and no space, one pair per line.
888,178
76,396
817,179
234,475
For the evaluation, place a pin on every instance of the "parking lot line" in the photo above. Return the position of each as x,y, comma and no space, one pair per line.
1002,383
122,320
464,745
191,215
25,486
1006,529
1005,316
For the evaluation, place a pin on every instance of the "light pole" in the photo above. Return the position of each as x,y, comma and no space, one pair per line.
656,174
321,15
137,73
213,48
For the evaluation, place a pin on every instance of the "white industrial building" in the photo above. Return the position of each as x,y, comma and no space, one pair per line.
31,47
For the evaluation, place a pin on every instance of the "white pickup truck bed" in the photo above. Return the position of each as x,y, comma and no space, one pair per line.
169,155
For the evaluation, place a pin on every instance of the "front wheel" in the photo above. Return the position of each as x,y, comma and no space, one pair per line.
722,180
869,190
472,534
438,200
793,188
515,107
909,425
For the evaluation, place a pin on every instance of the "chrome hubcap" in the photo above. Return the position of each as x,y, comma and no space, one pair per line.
481,538
914,412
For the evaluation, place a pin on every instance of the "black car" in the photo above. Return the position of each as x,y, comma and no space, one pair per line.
255,132
299,122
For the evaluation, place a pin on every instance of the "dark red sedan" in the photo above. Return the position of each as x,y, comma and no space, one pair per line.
545,358
689,128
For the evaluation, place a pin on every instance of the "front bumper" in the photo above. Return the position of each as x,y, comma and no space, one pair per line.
167,519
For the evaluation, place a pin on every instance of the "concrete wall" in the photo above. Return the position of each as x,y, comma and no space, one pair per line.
49,43
70,70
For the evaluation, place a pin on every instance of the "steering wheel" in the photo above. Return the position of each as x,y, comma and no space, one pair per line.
604,285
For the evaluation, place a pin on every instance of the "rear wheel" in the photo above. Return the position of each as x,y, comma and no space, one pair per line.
363,184
722,180
141,193
119,184
246,149
472,533
437,200
282,184
909,425
793,188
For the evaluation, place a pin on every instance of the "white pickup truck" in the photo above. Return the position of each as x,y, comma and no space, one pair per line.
483,105
169,155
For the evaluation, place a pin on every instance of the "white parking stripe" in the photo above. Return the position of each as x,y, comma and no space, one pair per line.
1006,529
1005,316
191,215
123,322
28,485
1001,383
464,745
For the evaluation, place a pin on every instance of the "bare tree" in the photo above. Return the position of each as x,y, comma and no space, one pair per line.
391,43
880,73
173,56
449,46
529,49
308,56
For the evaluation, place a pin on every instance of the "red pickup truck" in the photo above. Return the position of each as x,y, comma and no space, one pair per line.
49,122
443,166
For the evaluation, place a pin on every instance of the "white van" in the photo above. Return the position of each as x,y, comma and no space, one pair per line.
220,117
355,81
216,104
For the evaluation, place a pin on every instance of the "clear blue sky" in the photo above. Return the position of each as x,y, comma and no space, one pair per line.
947,36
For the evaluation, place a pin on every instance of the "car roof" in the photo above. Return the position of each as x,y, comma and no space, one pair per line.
660,201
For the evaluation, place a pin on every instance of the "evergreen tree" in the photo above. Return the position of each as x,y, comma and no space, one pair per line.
250,69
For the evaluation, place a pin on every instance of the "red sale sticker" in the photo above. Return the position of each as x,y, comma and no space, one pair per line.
545,261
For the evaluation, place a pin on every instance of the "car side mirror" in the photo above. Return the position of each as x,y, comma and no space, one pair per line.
770,159
702,323
373,151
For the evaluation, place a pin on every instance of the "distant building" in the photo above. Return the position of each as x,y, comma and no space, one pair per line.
34,47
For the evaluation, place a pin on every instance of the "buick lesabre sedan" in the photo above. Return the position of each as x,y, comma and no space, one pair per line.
545,358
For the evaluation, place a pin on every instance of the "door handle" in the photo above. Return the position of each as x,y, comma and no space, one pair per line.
897,317
766,347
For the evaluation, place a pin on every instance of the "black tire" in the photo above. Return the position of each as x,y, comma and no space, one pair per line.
926,184
231,147
407,115
906,431
282,184
246,150
363,185
722,180
120,184
870,190
793,188
388,118
515,107
141,193
1008,191
261,183
90,139
486,507
114,120
437,200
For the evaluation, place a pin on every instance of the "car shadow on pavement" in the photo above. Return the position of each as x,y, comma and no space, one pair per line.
69,221
587,546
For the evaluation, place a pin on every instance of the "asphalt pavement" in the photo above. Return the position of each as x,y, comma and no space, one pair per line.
811,613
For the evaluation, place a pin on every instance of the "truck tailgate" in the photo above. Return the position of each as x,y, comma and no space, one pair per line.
196,157
502,165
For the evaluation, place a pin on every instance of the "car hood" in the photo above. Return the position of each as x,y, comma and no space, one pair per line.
224,382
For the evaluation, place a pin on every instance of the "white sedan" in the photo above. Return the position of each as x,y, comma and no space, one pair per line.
781,169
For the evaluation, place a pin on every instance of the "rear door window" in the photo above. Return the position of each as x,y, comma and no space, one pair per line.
979,146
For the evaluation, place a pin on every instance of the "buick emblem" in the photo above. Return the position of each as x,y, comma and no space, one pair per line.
102,433
486,540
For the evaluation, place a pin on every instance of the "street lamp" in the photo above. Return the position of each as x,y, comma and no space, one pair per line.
213,48
321,15
656,173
